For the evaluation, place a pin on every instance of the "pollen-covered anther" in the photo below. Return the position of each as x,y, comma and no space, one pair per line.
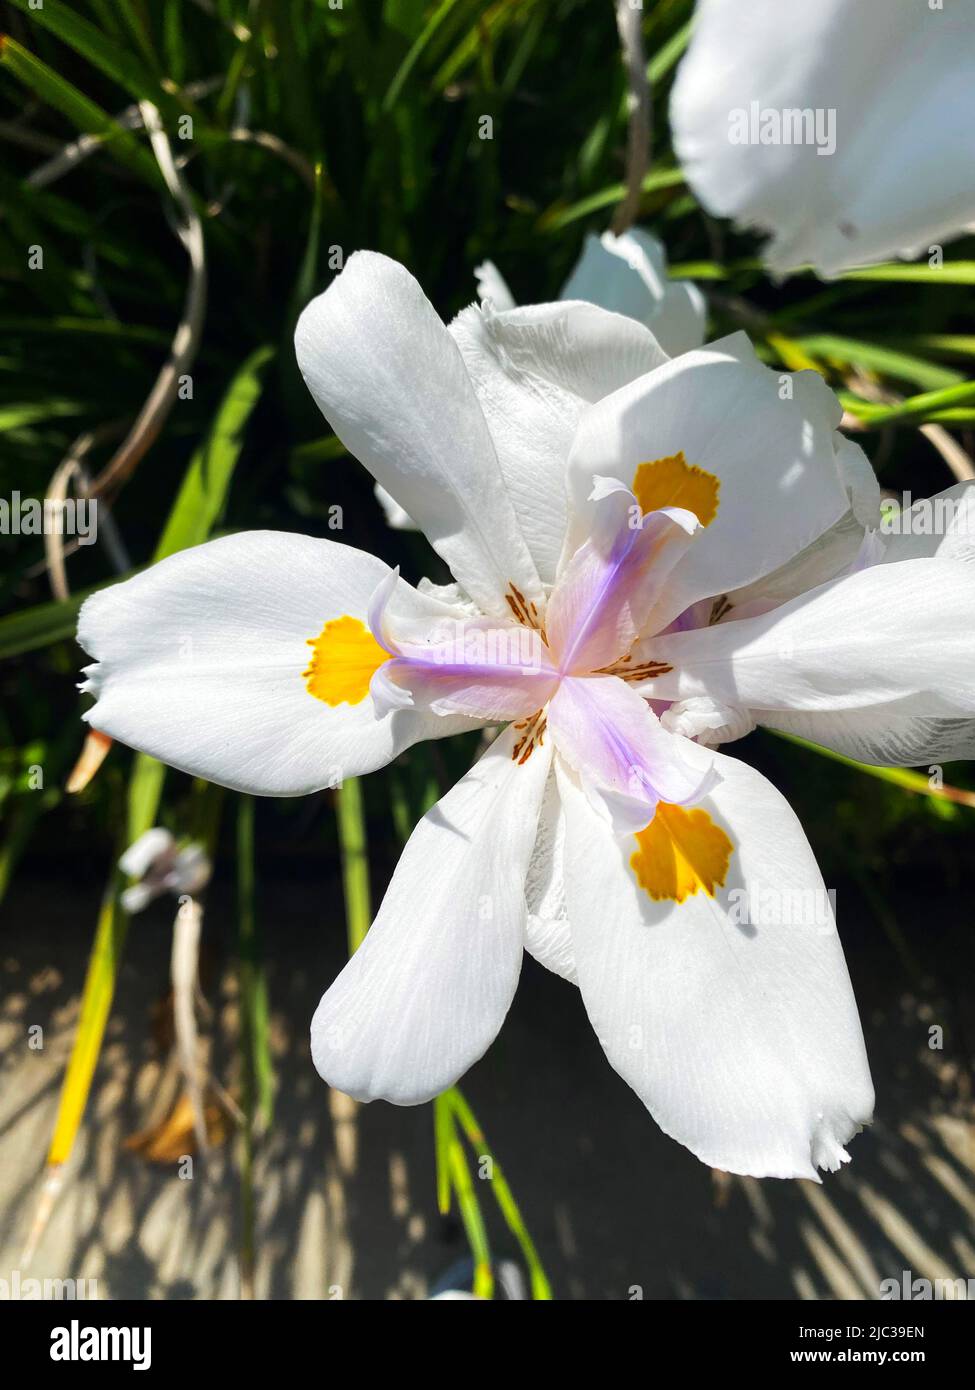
532,736
719,609
525,611
645,671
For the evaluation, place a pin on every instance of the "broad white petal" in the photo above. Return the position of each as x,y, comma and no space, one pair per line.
883,735
830,555
887,80
891,633
425,994
389,379
200,661
737,1029
771,450
535,370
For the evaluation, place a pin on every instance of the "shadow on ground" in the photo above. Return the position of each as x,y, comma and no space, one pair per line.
345,1200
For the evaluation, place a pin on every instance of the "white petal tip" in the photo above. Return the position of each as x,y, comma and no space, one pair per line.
603,487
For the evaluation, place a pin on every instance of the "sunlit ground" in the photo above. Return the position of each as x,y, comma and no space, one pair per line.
345,1194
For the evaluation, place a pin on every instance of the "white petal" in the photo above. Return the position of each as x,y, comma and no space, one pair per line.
425,994
535,370
396,517
899,632
680,321
943,525
201,661
860,482
881,735
898,77
628,274
547,935
492,288
839,550
388,378
140,856
832,554
742,1040
774,458
625,759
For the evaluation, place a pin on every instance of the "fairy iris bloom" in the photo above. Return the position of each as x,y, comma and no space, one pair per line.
601,508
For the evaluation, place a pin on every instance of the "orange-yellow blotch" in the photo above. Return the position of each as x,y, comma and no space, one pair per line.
344,657
673,482
679,852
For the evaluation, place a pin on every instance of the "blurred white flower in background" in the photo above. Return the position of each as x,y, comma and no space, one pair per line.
627,274
161,866
884,92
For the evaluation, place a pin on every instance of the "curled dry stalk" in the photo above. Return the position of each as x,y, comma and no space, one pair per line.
185,345
67,157
266,141
67,472
184,975
186,340
629,22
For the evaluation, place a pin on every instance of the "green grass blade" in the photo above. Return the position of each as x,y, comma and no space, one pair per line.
14,417
43,623
96,46
470,1212
950,273
204,489
554,219
145,790
875,357
353,846
84,114
503,1195
443,1131
905,778
254,1008
667,55
915,409
400,77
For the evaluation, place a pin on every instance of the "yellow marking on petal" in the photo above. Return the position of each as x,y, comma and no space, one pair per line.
345,656
673,482
679,852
